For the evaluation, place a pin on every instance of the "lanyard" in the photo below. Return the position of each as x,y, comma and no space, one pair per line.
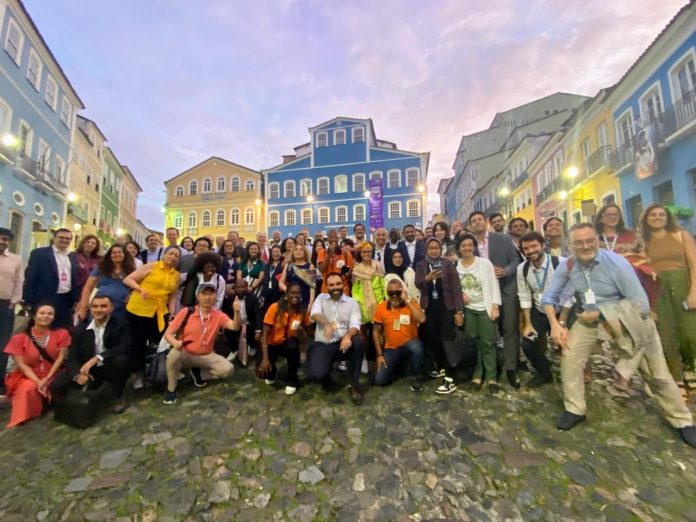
541,284
204,324
606,242
586,272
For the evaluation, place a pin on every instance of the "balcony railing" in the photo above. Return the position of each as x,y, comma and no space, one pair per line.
43,177
78,212
26,164
622,156
677,116
548,191
519,180
599,159
495,207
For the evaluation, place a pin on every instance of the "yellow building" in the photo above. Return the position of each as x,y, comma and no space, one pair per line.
85,173
213,198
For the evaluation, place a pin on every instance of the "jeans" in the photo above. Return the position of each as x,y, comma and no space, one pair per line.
412,351
290,349
6,327
535,351
321,356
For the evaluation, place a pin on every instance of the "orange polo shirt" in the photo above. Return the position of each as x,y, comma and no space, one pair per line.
199,335
283,327
387,316
336,262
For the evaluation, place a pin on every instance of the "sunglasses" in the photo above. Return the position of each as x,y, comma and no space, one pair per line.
394,293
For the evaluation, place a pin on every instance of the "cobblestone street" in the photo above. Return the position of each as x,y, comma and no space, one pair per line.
242,451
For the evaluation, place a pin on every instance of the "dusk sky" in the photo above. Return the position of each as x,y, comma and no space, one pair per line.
173,82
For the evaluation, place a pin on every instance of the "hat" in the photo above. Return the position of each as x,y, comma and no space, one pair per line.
6,232
205,286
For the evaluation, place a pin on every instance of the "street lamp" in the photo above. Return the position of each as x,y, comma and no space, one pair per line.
258,202
72,197
310,198
563,195
421,188
10,140
572,172
505,191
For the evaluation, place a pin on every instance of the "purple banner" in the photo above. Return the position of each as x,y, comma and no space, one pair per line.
376,204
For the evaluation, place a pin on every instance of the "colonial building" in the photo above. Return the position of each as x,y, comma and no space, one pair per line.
326,183
37,117
111,179
213,198
128,201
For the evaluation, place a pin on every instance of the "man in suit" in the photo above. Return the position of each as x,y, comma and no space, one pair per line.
412,250
98,353
154,250
381,249
251,319
500,250
51,276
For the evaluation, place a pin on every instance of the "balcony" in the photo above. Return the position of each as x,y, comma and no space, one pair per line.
25,165
548,191
622,157
78,212
678,116
519,180
46,180
599,159
495,207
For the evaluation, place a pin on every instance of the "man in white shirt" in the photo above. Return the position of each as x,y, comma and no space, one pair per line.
380,251
337,336
412,249
153,252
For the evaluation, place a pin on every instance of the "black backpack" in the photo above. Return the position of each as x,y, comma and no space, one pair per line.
554,262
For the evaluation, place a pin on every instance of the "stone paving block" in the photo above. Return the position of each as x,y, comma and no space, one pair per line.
522,459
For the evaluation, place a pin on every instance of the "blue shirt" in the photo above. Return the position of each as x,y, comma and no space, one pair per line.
611,277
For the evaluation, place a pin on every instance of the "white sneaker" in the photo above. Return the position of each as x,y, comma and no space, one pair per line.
343,366
436,373
181,376
138,382
364,369
252,352
446,387
269,381
232,356
290,390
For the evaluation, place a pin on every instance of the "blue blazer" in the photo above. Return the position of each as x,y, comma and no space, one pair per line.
419,254
41,277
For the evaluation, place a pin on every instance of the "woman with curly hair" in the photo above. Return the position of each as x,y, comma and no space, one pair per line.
88,255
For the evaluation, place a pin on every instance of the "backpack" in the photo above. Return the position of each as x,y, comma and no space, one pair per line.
554,262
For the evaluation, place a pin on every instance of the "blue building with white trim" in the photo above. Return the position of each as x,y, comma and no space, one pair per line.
37,114
655,101
325,184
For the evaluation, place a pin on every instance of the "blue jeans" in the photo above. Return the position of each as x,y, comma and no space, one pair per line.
321,356
6,327
412,351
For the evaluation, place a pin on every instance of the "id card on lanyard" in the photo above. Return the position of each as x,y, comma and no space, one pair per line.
541,283
590,298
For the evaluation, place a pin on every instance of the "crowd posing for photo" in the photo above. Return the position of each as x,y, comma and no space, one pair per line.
479,302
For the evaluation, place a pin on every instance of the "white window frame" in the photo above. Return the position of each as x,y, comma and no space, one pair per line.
51,85
194,215
321,139
36,82
220,222
193,187
235,217
303,213
344,209
235,184
650,92
249,211
324,211
358,176
59,168
412,170
675,90
391,185
602,137
362,208
250,185
627,114
418,208
66,111
288,213
274,187
274,218
344,179
289,183
586,147
328,186
43,158
558,162
206,217
7,124
207,185
17,58
393,208
221,184
337,133
305,187
179,191
355,131
376,174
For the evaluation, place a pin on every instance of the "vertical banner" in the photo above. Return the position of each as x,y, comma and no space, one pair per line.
376,204
645,147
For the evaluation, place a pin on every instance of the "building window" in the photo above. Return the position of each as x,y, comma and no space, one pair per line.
322,186
234,184
274,218
412,176
602,135
341,184
306,216
586,150
249,215
323,215
250,185
358,182
51,95
192,218
342,214
207,186
193,188
220,218
558,162
624,128
206,219
394,179
394,209
14,41
340,137
290,218
289,189
358,134
305,187
44,156
179,192
413,208
683,77
358,213
273,190
221,184
60,168
234,216
651,104
5,117
34,69
66,112
322,139
376,175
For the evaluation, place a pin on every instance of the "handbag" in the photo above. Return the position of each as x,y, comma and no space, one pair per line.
81,406
156,367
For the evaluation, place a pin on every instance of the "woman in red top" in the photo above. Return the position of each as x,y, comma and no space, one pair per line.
39,354
281,327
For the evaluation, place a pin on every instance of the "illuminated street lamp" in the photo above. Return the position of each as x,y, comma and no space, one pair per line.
563,194
505,191
10,140
572,172
366,194
421,188
258,202
310,198
72,197
77,227
120,232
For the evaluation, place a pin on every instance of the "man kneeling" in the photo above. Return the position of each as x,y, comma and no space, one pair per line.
192,337
98,353
395,335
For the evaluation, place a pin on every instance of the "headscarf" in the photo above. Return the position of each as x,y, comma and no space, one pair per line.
364,273
431,260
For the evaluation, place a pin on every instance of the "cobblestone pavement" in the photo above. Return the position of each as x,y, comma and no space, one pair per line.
241,450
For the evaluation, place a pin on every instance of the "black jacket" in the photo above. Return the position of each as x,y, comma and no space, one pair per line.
41,277
117,340
419,253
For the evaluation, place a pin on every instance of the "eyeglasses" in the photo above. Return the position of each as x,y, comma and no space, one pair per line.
587,242
394,293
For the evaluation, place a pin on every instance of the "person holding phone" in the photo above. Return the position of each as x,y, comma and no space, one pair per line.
335,259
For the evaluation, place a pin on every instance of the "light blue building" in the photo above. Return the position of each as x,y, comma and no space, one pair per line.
326,183
37,115
655,102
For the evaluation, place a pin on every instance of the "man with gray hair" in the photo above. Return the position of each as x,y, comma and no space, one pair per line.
615,308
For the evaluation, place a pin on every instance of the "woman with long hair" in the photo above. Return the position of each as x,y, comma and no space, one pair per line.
205,270
300,271
441,231
38,354
252,268
108,279
672,253
187,244
399,270
88,255
154,293
286,246
554,232
228,269
274,270
318,246
133,249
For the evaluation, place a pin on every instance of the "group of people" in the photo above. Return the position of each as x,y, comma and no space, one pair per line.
480,299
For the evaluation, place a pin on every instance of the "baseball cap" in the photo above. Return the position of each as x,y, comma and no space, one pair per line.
205,286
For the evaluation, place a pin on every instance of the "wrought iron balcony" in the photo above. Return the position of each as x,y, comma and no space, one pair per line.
495,207
43,177
599,159
548,191
678,116
519,180
622,156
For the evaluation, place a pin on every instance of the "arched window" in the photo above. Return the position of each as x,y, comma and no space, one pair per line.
342,214
290,218
207,186
358,213
220,218
274,218
412,177
289,189
193,188
323,215
306,216
375,175
250,185
394,210
234,216
413,208
178,221
322,186
192,219
394,179
221,184
305,187
234,184
274,190
358,182
249,216
206,218
340,184
179,192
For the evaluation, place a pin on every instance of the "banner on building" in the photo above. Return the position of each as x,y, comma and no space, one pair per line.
376,203
645,147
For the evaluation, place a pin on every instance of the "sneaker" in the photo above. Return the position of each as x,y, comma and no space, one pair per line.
269,381
446,387
170,397
195,374
416,386
232,356
290,390
435,374
364,369
343,366
252,352
138,382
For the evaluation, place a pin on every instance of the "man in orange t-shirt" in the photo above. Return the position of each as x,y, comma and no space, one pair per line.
335,259
395,336
281,328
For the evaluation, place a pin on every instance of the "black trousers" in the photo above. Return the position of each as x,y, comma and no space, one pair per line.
535,351
439,328
321,356
290,350
64,310
144,330
114,371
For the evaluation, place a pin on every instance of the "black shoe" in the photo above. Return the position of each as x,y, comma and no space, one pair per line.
539,380
567,420
522,366
478,386
513,379
196,377
416,385
688,435
356,395
170,397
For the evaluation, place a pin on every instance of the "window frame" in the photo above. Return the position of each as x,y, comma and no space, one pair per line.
318,139
176,191
389,210
271,186
193,191
648,95
618,125
249,211
274,218
17,59
60,173
389,178
356,176
343,178
360,128
192,214
586,148
206,214
290,212
304,221
235,217
289,183
250,183
412,170
328,186
379,173
682,61
363,207
303,192
336,134
220,212
336,210
66,115
209,182
418,213
222,179
50,81
235,181
36,83
324,211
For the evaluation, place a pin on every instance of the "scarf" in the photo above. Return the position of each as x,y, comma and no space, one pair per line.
398,270
364,273
307,275
433,260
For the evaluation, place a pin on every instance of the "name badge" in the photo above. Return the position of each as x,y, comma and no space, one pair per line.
63,277
405,319
340,263
396,325
295,325
590,298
